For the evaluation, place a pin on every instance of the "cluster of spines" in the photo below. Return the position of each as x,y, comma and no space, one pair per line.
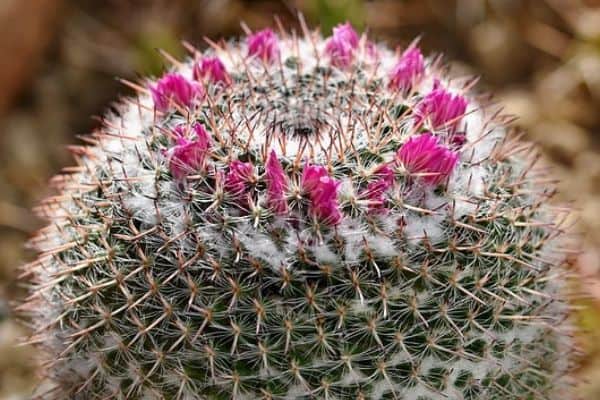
201,322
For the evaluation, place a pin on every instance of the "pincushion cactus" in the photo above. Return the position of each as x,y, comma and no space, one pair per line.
303,218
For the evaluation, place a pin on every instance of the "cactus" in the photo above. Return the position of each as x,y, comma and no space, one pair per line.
304,218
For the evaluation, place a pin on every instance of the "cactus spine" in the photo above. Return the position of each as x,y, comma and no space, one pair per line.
303,218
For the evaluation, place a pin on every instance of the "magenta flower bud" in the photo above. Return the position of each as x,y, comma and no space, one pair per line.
441,108
376,190
212,70
409,70
458,140
174,88
322,193
239,176
341,45
340,53
264,45
195,132
347,33
311,176
189,156
276,184
424,155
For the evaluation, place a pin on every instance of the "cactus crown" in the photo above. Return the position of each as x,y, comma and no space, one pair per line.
303,218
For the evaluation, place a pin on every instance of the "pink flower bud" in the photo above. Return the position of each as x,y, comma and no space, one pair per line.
174,88
376,190
264,45
189,156
212,70
276,184
423,155
441,108
341,45
322,193
195,132
409,70
346,33
239,176
458,140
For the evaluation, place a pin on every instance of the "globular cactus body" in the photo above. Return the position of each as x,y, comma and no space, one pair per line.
303,218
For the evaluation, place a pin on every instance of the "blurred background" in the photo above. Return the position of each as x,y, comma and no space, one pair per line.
60,59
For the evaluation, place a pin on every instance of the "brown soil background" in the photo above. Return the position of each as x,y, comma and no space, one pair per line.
60,58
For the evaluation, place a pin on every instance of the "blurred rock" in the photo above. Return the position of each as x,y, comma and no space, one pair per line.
591,387
587,163
522,104
587,61
26,29
587,22
562,139
590,215
497,48
16,362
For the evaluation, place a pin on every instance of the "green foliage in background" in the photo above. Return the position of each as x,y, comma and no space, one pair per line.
148,60
329,13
